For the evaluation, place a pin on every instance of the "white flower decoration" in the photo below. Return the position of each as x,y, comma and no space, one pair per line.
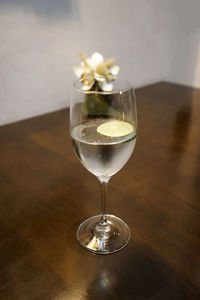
91,70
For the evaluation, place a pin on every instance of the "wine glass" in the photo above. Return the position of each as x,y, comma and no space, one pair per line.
103,128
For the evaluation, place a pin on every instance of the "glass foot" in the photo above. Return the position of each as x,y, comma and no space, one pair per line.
103,238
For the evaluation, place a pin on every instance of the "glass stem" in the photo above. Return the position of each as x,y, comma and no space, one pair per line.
104,188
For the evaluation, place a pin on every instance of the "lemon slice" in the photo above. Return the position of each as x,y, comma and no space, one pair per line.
115,128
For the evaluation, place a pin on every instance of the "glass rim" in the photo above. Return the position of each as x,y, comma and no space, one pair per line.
114,91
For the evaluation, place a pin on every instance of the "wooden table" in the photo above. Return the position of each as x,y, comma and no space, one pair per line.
45,193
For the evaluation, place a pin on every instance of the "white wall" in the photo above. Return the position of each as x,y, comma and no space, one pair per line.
39,41
184,64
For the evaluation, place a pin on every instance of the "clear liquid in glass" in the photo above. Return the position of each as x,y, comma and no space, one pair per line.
103,156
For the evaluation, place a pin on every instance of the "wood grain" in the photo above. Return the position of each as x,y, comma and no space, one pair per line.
45,193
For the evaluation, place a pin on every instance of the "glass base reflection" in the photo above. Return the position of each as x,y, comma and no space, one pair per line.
103,238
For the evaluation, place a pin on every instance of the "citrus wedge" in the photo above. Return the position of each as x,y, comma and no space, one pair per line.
115,128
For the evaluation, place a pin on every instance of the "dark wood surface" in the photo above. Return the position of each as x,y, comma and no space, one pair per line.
45,193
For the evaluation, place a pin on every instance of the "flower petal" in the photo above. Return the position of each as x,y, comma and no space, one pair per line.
114,70
95,60
106,86
99,77
78,70
102,70
83,57
84,61
107,63
87,84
